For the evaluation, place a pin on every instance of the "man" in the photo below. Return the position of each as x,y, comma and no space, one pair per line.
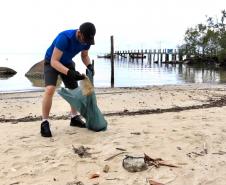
58,61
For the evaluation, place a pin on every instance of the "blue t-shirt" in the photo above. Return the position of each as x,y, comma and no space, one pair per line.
67,42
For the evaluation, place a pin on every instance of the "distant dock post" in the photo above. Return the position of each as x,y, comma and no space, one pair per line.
142,55
112,61
161,55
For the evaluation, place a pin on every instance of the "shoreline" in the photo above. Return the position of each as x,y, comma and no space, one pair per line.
21,91
42,89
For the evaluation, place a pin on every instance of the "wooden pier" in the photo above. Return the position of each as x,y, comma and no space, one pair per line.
167,56
156,55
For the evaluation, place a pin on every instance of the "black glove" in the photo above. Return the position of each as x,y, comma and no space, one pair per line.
90,67
75,75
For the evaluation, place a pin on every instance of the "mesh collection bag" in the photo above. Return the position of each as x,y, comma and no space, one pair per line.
86,104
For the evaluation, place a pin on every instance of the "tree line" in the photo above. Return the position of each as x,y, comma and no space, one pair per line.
206,40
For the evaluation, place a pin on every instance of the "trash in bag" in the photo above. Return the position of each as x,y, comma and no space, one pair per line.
86,104
86,86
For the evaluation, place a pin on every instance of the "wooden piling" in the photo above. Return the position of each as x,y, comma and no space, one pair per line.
150,59
142,55
154,55
112,62
167,57
161,56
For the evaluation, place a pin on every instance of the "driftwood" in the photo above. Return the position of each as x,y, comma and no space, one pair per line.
121,149
109,158
201,153
112,179
157,162
219,153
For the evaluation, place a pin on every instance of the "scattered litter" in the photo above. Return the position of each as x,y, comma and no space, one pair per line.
201,153
136,133
125,110
157,162
112,179
82,151
134,164
75,183
195,154
151,182
220,153
86,86
106,168
121,149
14,183
95,175
205,149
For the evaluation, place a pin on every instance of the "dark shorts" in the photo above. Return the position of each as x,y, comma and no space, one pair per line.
51,76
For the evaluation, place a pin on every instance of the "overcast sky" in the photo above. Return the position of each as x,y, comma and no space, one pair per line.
29,26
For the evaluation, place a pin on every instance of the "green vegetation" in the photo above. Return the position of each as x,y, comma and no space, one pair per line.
207,42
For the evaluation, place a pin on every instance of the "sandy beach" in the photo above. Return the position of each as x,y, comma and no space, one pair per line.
184,125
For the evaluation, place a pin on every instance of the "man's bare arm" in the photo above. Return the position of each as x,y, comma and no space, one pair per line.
55,61
85,57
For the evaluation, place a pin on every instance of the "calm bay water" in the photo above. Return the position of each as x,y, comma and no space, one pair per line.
128,73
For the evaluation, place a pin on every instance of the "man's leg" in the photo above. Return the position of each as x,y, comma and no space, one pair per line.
50,77
74,112
46,106
47,101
